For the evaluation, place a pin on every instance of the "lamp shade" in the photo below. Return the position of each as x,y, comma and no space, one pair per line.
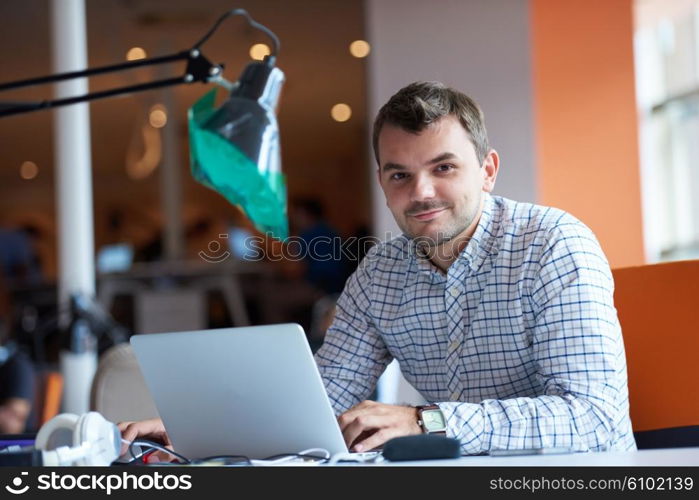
235,148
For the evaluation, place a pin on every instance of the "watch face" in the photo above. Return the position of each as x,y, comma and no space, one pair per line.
433,420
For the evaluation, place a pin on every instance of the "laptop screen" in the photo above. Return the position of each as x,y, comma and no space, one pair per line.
252,391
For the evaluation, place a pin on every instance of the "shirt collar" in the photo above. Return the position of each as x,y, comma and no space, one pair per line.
483,240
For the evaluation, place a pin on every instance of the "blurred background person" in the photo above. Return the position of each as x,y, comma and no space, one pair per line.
325,266
16,390
19,261
17,379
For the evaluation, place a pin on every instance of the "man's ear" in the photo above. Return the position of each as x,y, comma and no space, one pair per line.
490,167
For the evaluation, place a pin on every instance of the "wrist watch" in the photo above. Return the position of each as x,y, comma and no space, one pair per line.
431,419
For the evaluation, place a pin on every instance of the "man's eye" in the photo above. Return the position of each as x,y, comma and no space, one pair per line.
445,167
397,176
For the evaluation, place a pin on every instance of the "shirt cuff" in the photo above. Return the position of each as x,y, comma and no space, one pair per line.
465,422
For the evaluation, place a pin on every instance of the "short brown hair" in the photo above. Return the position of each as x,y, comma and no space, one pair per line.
419,104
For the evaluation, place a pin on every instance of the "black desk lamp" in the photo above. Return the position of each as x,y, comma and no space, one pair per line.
234,148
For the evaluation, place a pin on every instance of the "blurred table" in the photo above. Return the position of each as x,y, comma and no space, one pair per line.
171,296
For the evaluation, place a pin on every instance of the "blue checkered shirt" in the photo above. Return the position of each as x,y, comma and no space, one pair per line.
519,343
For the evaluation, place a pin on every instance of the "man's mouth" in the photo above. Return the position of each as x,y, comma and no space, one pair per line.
428,215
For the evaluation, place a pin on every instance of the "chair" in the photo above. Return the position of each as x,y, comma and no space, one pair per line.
119,391
658,309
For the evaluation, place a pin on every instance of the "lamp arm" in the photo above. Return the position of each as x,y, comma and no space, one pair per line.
94,71
199,69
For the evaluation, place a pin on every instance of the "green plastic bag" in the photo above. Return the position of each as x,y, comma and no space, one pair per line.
218,164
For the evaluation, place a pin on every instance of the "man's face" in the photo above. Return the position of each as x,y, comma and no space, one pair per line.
433,180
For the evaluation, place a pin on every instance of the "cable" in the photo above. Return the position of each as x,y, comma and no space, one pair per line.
134,458
287,458
157,446
365,457
304,453
240,460
251,22
322,456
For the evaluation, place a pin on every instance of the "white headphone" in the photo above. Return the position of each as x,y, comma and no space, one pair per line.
69,439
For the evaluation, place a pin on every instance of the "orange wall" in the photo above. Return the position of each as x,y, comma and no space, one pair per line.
585,116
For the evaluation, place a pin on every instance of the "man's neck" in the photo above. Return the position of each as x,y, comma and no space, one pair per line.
445,255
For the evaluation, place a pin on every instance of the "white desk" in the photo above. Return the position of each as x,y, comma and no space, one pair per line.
670,457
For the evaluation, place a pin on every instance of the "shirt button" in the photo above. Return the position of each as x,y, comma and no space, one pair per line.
454,345
454,292
455,396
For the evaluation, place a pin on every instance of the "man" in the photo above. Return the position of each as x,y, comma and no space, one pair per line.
500,313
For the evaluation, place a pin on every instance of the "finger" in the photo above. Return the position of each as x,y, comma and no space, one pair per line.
157,457
123,425
135,430
126,430
376,439
128,433
345,419
362,423
352,431
350,415
152,429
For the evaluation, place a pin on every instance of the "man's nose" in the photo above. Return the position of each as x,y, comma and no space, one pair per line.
423,188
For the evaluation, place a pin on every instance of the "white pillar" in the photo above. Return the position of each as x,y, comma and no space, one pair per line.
171,181
76,267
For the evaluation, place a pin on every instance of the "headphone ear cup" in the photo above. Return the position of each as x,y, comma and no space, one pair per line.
103,436
73,431
59,431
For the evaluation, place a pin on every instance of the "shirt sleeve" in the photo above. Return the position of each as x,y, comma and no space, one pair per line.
353,355
579,354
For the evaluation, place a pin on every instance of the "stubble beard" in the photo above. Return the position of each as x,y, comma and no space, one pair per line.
428,244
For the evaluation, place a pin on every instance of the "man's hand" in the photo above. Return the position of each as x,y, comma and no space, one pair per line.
152,430
368,425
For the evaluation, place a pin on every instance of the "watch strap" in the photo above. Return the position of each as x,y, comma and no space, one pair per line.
421,423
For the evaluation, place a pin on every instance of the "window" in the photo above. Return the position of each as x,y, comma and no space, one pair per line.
667,87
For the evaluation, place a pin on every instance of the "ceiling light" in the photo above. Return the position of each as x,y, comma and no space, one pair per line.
135,53
341,112
157,116
360,48
259,51
28,170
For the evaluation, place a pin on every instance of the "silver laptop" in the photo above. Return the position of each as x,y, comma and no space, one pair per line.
252,391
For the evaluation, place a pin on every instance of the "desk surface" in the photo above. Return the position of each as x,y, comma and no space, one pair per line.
670,457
